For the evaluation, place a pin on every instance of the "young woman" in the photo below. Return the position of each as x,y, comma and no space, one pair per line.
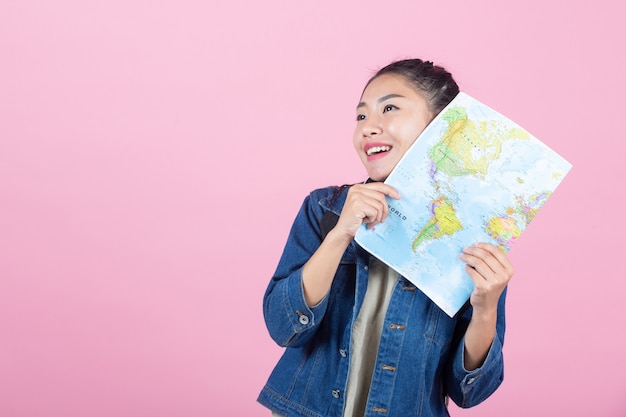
360,339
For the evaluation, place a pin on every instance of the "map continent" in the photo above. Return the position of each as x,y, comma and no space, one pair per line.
443,222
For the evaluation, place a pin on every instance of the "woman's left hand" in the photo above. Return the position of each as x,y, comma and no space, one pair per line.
490,270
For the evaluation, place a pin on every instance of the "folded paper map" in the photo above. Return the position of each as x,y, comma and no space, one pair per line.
472,176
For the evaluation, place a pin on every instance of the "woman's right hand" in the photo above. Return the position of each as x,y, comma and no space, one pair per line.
365,203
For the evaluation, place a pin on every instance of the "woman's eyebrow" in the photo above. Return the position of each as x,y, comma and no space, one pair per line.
381,99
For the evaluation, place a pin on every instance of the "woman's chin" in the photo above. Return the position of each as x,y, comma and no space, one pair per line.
378,176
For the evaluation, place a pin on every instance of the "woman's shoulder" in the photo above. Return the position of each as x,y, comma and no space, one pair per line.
330,191
331,198
325,192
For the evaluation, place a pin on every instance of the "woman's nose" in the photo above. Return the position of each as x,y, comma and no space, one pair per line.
371,127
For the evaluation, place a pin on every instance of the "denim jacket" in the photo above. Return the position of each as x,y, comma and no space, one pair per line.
420,357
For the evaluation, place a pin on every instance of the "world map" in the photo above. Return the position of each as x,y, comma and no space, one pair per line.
473,175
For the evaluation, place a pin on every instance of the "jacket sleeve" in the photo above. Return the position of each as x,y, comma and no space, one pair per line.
290,321
469,388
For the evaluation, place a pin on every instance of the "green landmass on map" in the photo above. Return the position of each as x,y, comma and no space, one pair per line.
444,222
467,148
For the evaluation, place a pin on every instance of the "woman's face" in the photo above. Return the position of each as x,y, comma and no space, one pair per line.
390,116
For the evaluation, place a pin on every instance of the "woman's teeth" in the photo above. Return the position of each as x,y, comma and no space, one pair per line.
378,149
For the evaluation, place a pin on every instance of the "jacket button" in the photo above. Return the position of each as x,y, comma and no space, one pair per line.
343,352
304,319
335,393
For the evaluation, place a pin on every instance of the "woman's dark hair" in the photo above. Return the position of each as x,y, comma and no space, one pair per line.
435,83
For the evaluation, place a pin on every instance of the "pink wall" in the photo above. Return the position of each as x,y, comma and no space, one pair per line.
153,156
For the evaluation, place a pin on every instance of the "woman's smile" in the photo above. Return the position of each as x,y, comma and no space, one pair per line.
376,150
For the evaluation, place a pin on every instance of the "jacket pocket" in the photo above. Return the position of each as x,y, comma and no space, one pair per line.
439,327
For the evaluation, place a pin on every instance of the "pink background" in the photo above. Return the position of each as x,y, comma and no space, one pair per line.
153,155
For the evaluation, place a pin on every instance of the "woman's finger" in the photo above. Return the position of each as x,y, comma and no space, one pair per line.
373,196
489,261
499,255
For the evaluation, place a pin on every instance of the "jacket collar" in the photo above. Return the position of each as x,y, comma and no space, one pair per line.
337,199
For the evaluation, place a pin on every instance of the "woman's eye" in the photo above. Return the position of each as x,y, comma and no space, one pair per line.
360,117
389,107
